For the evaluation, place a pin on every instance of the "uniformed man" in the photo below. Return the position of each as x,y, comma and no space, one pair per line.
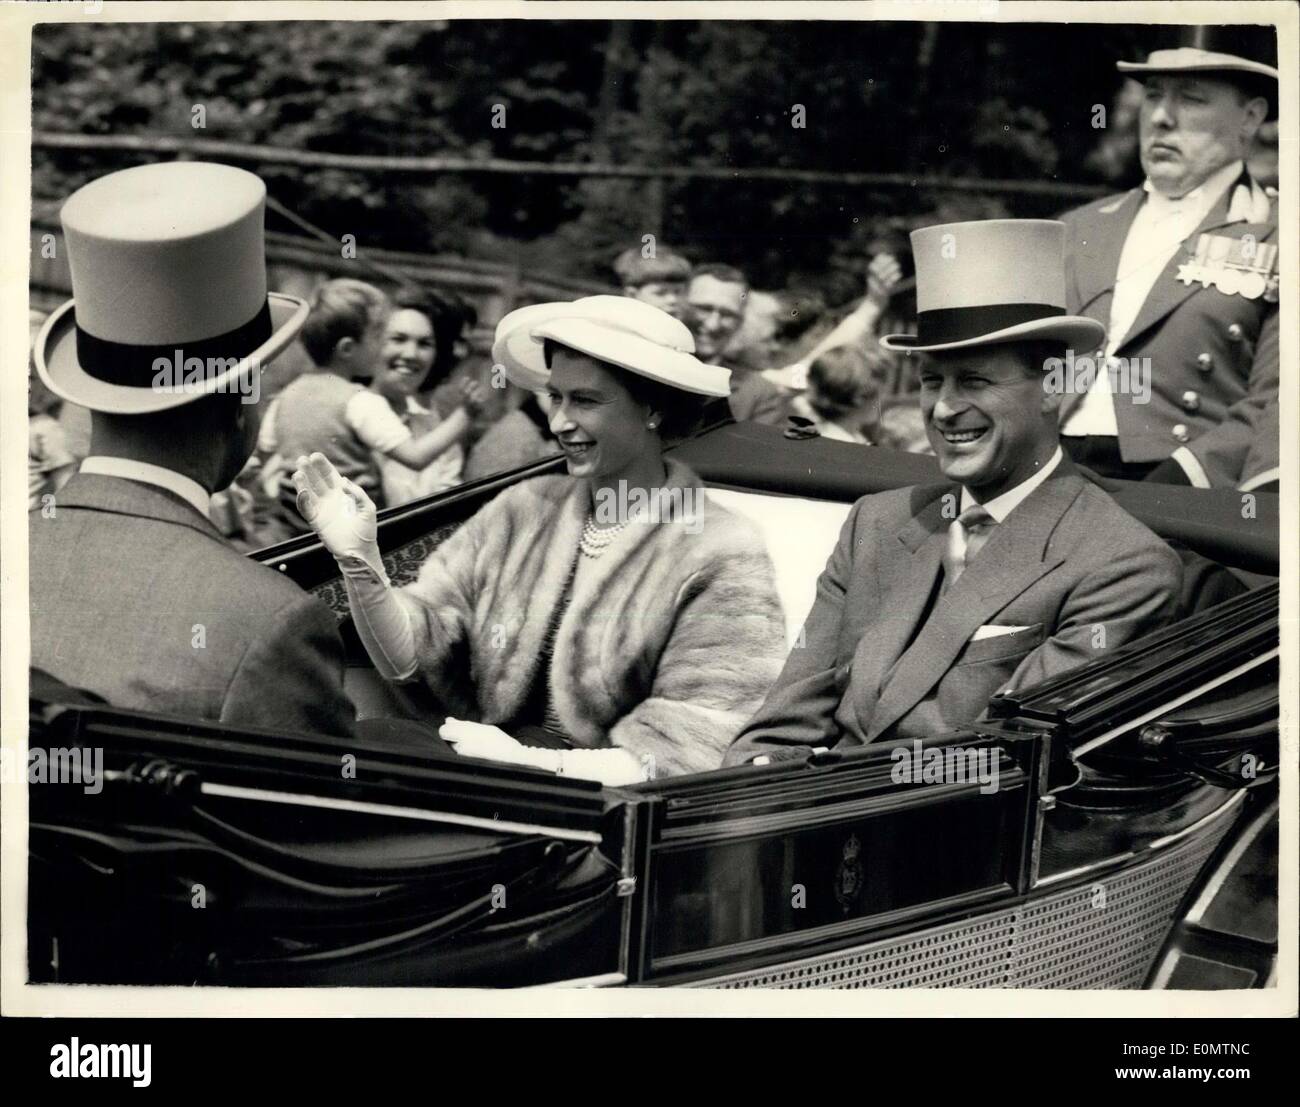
1183,273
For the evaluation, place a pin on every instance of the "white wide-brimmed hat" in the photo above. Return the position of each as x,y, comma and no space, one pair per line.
615,329
168,263
1190,59
1245,54
990,282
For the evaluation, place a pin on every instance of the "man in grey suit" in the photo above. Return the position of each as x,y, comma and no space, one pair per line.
937,597
135,595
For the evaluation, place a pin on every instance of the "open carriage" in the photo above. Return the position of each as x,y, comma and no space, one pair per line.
1131,839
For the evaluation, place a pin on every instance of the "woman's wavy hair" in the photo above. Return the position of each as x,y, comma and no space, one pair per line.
450,315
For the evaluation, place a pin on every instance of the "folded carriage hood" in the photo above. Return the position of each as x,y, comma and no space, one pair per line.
1213,522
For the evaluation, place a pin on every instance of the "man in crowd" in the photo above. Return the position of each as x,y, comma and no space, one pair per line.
715,307
1182,272
659,280
936,598
135,596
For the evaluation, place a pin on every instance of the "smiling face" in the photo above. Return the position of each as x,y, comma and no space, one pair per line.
407,354
1190,127
988,417
715,311
600,426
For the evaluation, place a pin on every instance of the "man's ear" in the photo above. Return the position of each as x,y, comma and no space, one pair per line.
345,347
1051,402
1256,111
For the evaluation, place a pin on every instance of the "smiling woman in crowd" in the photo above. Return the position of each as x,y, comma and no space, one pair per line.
640,642
405,367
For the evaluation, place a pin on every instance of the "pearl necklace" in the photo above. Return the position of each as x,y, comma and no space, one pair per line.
595,540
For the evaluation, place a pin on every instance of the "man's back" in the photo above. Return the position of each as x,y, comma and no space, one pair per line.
137,598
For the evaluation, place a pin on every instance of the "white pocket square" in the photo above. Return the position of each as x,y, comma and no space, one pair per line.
994,630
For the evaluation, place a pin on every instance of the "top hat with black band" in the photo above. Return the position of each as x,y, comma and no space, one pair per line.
1242,54
169,290
990,282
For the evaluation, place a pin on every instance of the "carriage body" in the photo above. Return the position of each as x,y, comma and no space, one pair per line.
1124,846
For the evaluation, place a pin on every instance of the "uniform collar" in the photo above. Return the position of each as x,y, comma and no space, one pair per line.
1002,506
128,468
1204,196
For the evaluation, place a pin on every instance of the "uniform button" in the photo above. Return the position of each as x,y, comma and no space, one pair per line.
1180,432
1234,332
1204,362
1191,400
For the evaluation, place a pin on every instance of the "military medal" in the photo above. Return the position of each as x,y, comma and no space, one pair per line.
1198,268
1235,266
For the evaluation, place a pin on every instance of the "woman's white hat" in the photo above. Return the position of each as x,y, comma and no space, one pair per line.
615,329
992,281
168,265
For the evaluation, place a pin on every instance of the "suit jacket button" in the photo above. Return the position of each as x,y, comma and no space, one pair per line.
1234,332
1204,362
1191,400
1180,432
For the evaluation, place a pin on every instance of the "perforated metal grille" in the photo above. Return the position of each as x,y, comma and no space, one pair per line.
1101,935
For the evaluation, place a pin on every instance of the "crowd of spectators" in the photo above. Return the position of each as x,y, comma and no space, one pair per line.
393,394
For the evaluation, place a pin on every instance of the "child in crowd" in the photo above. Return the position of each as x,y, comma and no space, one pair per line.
325,410
843,395
658,280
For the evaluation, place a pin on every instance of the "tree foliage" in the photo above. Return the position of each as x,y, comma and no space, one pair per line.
981,100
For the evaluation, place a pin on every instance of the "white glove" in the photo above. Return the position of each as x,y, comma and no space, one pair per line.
344,517
612,766
490,743
340,513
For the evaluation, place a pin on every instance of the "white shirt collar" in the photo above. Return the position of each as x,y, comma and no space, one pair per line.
128,468
1002,506
1204,195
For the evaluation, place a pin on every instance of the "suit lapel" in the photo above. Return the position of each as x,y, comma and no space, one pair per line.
909,567
122,496
1096,265
1015,556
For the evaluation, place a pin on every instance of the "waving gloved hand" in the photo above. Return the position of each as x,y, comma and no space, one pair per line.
339,511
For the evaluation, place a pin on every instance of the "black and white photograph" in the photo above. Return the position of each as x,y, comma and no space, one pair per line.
633,506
